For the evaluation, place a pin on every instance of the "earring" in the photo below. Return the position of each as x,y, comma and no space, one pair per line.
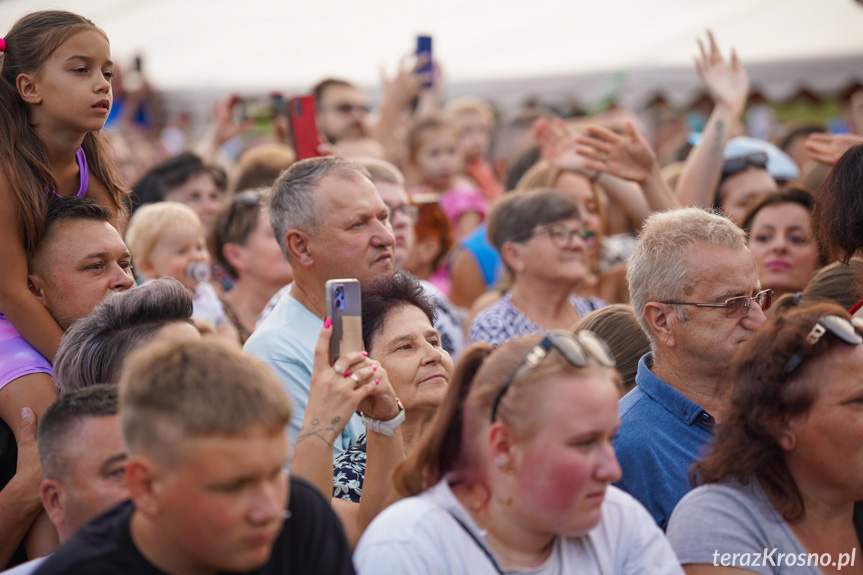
504,463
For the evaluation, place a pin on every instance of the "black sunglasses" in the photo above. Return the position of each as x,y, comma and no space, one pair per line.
736,165
578,350
844,330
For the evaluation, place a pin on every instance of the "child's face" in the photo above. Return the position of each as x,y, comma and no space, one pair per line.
174,251
73,89
438,159
474,131
201,194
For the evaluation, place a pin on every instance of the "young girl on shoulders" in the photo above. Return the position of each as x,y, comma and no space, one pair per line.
55,95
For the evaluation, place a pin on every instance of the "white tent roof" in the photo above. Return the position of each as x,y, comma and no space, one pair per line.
502,49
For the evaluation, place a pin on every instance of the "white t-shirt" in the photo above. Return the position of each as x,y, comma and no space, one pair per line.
420,535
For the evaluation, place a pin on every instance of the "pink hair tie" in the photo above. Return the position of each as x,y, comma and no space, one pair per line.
2,45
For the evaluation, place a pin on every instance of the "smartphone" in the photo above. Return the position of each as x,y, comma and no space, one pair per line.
304,128
343,307
424,48
262,110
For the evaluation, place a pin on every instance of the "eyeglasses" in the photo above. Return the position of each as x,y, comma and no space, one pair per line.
561,236
844,330
578,350
736,165
736,306
409,211
346,108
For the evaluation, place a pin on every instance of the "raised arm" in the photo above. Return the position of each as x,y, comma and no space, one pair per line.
398,93
559,146
629,157
333,398
727,85
222,127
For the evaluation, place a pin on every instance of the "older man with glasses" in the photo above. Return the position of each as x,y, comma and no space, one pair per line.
695,291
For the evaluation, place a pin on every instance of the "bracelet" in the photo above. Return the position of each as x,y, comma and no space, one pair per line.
384,427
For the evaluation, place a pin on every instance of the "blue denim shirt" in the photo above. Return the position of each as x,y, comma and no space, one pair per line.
662,433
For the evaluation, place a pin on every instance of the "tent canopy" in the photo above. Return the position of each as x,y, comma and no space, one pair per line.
502,50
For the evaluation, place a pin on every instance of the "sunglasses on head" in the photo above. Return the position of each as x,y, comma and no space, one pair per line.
577,349
249,198
734,166
842,329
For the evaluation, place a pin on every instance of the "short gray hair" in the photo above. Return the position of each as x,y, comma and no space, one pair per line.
293,205
657,269
94,349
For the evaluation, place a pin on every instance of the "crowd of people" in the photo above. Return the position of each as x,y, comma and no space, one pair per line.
576,357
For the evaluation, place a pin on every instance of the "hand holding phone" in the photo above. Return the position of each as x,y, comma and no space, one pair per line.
343,308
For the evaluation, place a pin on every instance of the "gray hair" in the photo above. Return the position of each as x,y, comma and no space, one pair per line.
293,205
657,269
382,171
93,350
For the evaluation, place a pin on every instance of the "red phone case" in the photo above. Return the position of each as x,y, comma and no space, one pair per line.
304,129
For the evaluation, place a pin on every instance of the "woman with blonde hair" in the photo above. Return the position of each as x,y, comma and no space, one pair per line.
515,474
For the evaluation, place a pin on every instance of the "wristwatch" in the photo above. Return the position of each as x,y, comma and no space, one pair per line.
384,427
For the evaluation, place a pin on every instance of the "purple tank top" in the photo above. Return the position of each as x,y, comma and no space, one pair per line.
83,176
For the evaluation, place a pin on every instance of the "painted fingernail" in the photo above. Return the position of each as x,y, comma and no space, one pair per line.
374,368
328,323
364,353
377,382
347,373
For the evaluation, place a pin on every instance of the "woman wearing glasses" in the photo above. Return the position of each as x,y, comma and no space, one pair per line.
541,238
245,247
779,487
515,473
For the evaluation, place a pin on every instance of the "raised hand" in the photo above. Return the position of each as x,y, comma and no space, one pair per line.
400,90
223,125
828,148
629,157
726,81
335,391
558,145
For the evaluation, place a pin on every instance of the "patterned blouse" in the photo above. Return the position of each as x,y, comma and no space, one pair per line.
349,470
502,321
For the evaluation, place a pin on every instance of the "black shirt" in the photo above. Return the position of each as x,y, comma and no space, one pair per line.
311,541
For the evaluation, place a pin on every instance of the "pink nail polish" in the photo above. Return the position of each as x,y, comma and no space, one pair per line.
364,353
377,382
347,373
328,323
374,368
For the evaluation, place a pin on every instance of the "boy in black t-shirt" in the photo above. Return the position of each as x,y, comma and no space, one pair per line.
205,429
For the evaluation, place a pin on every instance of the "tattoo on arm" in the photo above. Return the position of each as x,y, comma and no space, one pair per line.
315,430
718,148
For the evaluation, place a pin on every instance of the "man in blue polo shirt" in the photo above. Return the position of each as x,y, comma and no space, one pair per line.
695,291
